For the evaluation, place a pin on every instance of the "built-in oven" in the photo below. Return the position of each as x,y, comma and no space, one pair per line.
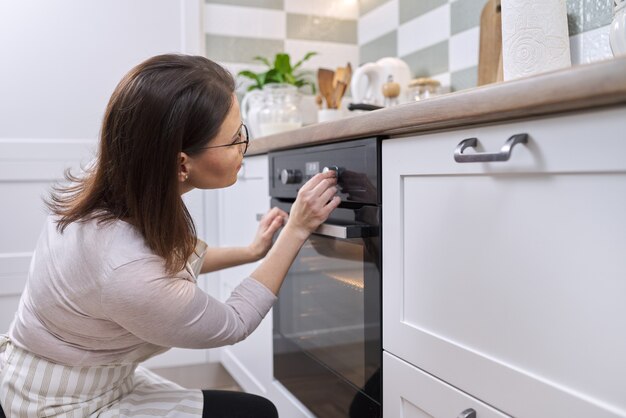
327,321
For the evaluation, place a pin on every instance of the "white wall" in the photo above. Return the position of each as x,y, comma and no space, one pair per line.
61,61
63,58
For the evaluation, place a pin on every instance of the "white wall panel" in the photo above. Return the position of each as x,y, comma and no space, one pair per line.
338,9
28,169
64,58
330,55
428,29
67,56
248,22
463,50
378,22
12,280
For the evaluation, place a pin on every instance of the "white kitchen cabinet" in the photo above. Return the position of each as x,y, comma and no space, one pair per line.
249,361
507,280
411,393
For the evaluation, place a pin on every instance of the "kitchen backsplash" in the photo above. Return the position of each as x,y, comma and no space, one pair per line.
437,38
238,30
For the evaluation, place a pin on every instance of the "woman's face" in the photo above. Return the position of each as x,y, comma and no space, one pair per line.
218,166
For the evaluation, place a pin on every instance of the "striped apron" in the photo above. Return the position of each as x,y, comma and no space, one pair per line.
31,386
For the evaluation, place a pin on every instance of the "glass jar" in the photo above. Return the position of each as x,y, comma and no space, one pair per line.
251,105
423,88
280,111
617,35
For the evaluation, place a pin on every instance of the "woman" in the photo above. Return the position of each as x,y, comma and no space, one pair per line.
110,283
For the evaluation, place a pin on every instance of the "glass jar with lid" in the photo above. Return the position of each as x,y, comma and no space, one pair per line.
280,111
423,88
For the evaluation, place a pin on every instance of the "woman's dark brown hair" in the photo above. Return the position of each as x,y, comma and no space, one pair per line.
165,105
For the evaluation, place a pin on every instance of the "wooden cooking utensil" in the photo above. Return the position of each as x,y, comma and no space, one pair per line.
490,49
338,93
325,82
340,73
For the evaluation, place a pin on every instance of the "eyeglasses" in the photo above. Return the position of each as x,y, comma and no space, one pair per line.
243,133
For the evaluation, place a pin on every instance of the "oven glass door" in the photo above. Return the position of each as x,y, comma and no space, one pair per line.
329,309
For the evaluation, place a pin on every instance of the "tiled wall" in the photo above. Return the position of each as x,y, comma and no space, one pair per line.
238,30
439,38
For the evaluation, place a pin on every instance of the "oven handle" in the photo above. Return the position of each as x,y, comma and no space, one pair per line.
341,231
346,231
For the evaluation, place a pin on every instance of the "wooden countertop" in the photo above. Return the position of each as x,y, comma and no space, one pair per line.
581,87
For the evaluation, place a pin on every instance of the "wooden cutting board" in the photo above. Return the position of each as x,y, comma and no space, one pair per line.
490,48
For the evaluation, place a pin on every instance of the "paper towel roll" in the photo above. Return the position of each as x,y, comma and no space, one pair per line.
535,37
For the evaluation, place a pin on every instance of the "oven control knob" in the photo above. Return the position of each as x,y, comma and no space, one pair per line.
331,167
289,176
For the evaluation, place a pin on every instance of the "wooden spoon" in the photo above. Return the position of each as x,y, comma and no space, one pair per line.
340,75
325,81
338,93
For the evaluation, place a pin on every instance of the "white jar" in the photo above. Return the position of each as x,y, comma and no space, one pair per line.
617,36
280,111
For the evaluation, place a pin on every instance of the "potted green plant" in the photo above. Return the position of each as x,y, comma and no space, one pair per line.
280,71
272,103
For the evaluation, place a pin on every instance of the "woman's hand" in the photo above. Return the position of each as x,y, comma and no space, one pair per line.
315,200
270,223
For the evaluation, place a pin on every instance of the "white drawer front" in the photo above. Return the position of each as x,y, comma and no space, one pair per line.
508,279
408,392
254,167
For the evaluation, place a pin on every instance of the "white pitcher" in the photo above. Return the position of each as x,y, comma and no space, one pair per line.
368,80
251,105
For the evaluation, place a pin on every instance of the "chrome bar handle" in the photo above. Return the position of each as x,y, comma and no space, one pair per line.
503,155
340,231
468,413
346,231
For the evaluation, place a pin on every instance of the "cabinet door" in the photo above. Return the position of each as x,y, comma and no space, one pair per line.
408,392
249,361
507,279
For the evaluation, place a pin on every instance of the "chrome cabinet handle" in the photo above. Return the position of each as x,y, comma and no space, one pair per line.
503,155
346,231
468,413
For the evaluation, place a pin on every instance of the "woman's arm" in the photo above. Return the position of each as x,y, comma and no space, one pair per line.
220,258
169,311
316,199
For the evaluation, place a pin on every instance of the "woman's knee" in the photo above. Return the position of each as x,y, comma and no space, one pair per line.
266,408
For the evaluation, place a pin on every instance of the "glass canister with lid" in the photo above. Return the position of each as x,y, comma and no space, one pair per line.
423,88
280,111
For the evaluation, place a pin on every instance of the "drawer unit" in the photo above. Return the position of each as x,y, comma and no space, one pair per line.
507,279
409,392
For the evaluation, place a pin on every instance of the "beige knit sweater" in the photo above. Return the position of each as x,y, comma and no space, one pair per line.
97,295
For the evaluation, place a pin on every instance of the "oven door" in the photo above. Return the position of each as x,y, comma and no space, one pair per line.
327,335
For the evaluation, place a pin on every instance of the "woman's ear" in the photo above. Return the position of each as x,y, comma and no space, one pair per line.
184,167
